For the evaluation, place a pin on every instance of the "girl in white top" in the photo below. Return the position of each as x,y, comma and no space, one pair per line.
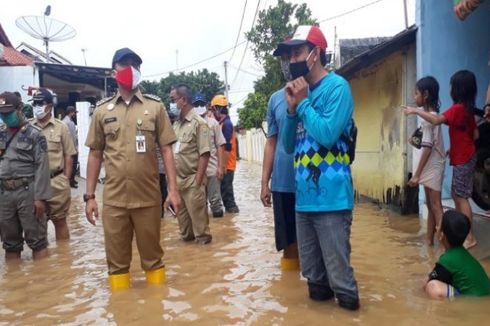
430,169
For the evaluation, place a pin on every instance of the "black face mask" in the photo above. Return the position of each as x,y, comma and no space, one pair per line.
299,69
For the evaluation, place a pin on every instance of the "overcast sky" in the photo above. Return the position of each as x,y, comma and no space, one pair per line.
197,29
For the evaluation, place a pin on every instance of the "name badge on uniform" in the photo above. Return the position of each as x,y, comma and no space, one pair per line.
140,138
140,144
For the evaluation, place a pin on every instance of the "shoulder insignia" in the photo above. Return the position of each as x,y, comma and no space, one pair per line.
201,120
152,97
105,100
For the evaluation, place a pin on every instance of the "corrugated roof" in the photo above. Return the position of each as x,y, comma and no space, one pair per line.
37,54
350,48
378,52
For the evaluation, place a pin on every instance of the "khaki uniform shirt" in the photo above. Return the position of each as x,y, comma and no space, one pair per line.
132,178
217,140
193,141
26,157
59,141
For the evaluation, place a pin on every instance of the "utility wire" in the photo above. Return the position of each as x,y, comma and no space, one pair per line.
240,101
245,71
239,30
246,41
246,46
350,11
195,63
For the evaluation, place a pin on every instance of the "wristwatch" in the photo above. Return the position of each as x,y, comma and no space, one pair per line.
87,197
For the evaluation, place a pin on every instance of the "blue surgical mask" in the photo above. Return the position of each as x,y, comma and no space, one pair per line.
174,110
10,119
39,111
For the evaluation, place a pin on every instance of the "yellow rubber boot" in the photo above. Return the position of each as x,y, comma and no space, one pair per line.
119,281
289,264
156,276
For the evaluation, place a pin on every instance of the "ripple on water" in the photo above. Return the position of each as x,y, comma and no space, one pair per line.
233,281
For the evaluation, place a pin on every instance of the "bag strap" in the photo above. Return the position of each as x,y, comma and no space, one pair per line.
9,141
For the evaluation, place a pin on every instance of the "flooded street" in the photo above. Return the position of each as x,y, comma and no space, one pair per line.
235,280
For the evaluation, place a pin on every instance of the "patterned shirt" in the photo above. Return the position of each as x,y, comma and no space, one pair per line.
321,160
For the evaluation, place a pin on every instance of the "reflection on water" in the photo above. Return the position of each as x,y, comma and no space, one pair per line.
233,281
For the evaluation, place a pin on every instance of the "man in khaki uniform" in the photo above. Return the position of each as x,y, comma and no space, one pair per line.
60,151
191,158
124,133
24,182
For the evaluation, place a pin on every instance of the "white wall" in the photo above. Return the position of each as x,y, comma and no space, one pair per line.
13,78
83,124
251,145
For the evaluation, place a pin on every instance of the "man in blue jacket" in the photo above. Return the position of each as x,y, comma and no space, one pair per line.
320,107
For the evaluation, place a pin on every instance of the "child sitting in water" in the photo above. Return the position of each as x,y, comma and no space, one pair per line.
457,271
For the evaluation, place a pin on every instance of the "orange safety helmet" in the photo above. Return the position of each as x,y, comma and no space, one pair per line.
219,100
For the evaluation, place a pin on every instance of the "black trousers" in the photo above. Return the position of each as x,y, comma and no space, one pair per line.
74,170
163,188
227,193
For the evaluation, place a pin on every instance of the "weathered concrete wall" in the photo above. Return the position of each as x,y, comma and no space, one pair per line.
445,45
380,170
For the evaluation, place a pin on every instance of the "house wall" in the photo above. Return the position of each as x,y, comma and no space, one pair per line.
445,45
380,170
13,78
251,145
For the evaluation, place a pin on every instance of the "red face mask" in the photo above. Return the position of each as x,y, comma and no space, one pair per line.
128,78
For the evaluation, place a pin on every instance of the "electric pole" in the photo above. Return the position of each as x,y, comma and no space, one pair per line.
226,80
334,60
406,13
84,58
177,59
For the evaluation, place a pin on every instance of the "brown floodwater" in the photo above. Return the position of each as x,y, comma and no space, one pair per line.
235,280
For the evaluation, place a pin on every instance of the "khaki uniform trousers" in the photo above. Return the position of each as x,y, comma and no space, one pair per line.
59,203
193,216
119,225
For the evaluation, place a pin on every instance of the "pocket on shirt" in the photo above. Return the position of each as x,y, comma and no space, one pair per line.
54,143
148,130
24,151
111,130
148,126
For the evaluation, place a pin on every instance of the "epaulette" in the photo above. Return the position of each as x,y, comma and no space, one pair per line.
152,97
104,100
35,127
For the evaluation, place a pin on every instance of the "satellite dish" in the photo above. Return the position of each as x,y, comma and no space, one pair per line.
46,29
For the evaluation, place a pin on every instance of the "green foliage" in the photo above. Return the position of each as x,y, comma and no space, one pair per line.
273,26
201,81
252,115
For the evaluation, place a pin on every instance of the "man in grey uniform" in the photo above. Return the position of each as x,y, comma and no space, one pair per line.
24,182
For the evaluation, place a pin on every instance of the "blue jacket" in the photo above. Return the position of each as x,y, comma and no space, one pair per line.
322,171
